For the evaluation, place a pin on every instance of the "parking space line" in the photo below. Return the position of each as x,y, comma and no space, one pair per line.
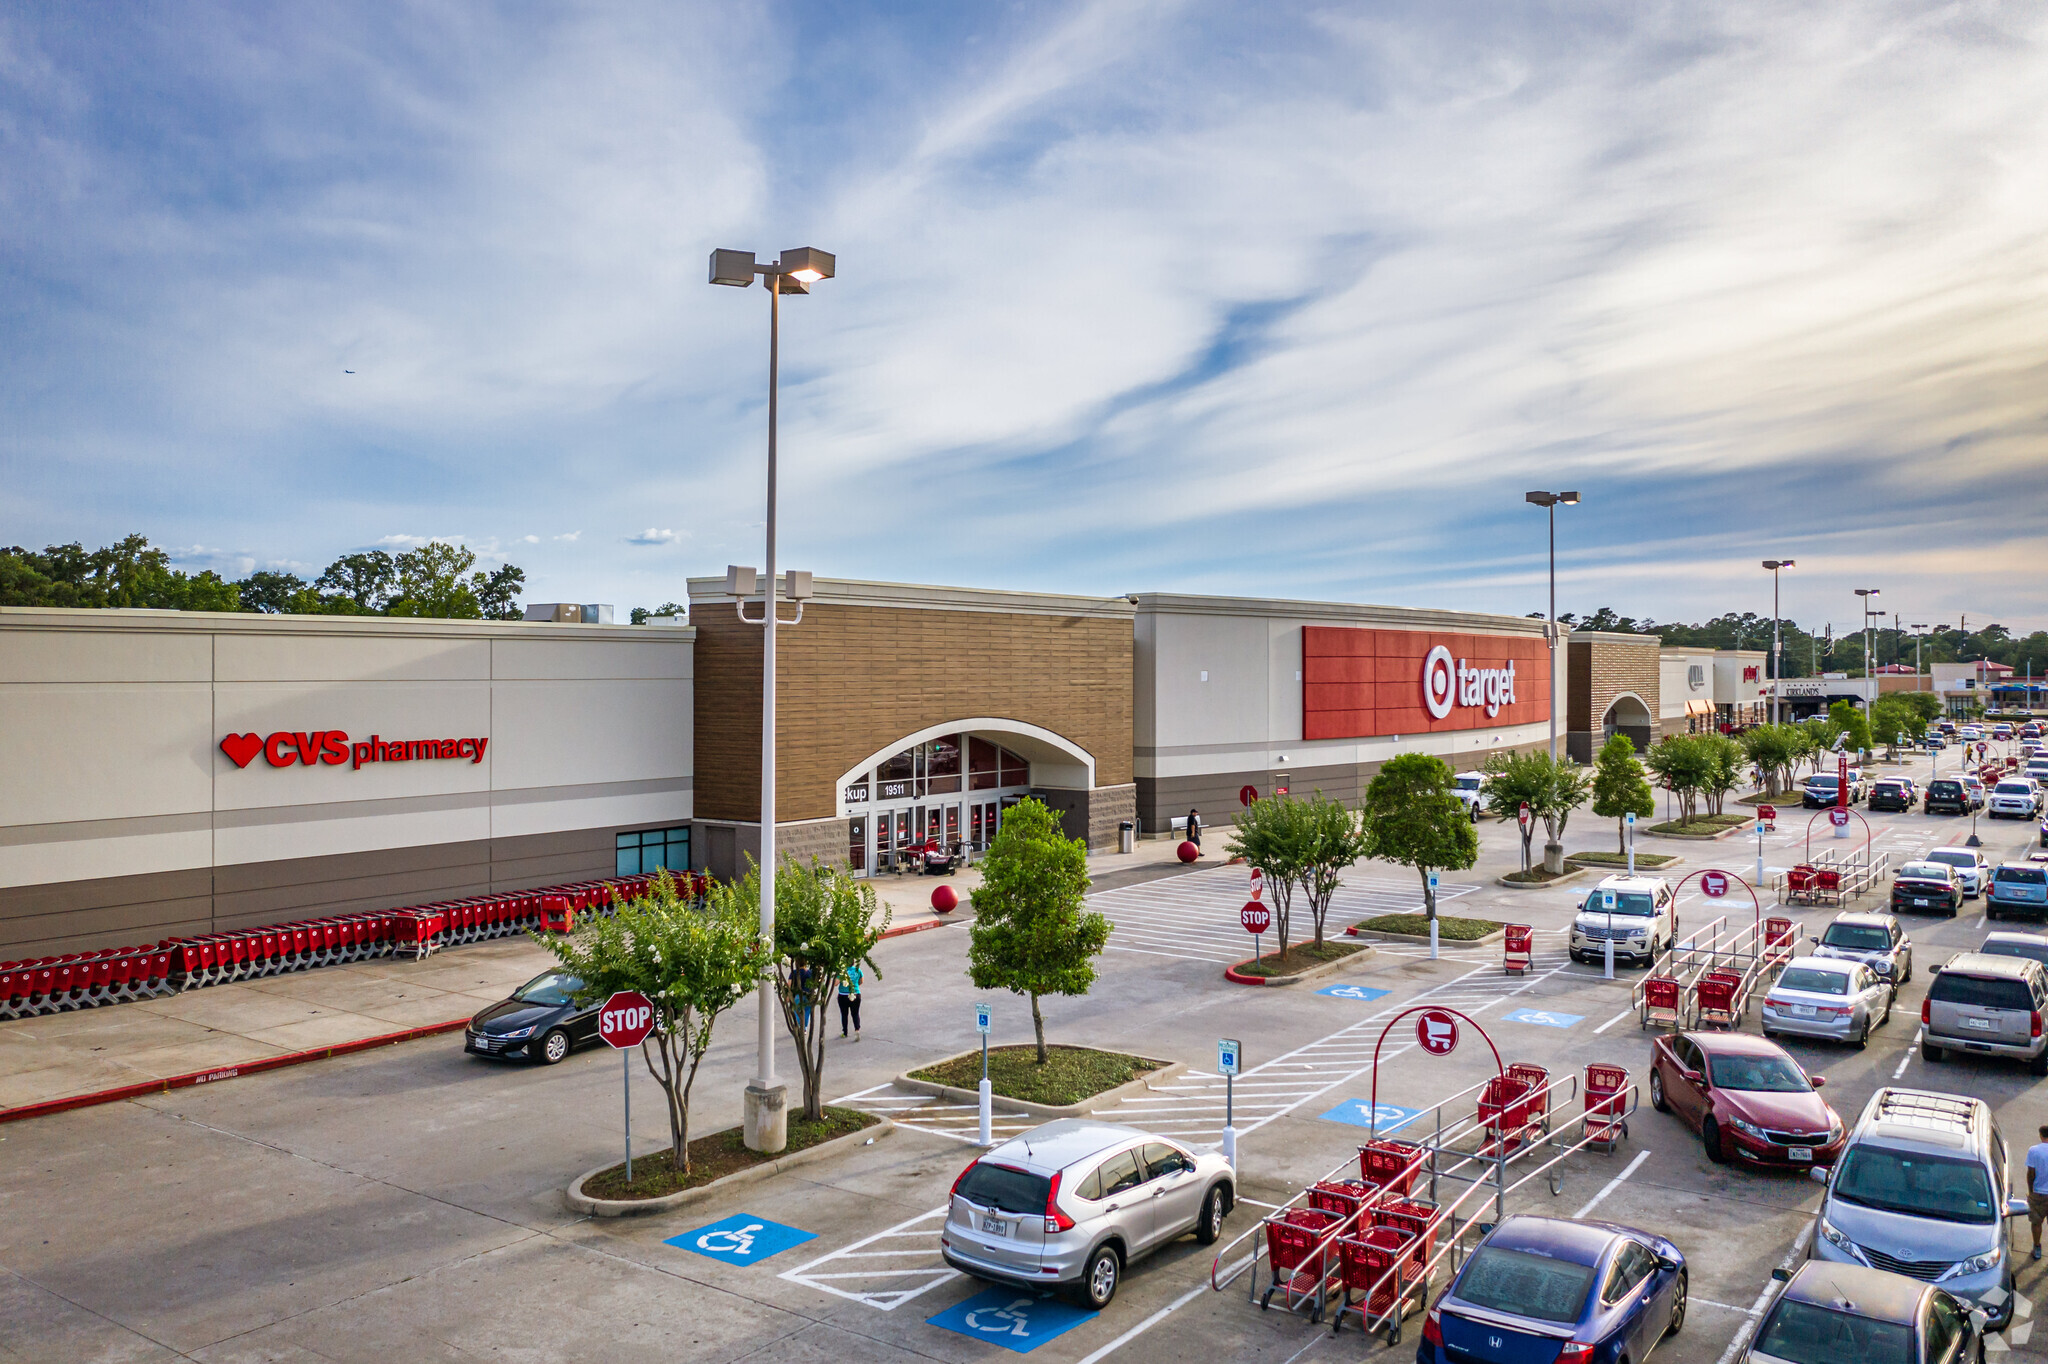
1625,1013
1612,1185
886,1299
1748,1327
1911,1047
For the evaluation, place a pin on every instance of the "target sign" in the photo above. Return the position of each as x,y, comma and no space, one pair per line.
1713,884
1439,685
1839,818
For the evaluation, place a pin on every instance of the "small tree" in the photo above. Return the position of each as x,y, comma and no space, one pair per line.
1620,788
1775,750
1570,785
1512,781
1266,836
1684,763
1848,717
692,964
1724,759
1893,722
1411,817
1332,839
1031,933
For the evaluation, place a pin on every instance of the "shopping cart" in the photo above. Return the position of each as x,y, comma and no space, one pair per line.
1385,1266
1298,1257
1517,949
1390,1165
1606,1108
1663,1002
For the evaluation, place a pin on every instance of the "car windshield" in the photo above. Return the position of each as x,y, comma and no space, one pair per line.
1980,992
1807,1334
1857,937
1939,1187
1825,779
2023,876
1527,1285
1813,982
2014,788
1005,1188
1953,859
1625,902
1924,871
2033,949
1769,1074
556,987
1470,782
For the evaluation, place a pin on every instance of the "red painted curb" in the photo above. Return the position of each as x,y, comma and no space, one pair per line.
202,1077
919,928
1230,973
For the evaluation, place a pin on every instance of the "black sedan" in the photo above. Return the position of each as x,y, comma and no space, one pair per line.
541,1020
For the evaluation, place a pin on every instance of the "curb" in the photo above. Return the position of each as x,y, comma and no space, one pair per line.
1728,832
203,1077
1107,1098
1423,938
1570,873
645,1207
919,928
1230,973
1673,860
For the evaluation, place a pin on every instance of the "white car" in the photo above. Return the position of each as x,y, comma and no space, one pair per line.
1470,789
2015,798
1822,997
1973,869
1970,732
1645,920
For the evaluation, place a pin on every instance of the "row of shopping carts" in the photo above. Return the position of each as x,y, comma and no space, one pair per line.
1708,979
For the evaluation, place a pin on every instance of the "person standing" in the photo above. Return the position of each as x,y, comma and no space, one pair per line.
849,1000
1195,829
2037,1187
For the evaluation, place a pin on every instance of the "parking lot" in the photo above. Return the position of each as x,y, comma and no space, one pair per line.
406,1204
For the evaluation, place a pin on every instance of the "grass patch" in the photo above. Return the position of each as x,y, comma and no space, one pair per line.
1608,859
1069,1075
1700,824
1417,925
1536,876
1298,958
718,1155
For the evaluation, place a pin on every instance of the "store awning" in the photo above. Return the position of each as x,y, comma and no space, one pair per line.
1699,708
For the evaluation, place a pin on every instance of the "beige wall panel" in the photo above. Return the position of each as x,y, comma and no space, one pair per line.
1234,704
392,711
338,833
80,656
282,657
526,818
569,660
111,751
35,864
569,733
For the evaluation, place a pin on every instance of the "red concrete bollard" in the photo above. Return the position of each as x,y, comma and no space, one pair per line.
1189,852
945,899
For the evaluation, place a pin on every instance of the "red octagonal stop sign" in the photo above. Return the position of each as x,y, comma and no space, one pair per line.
1255,917
626,1019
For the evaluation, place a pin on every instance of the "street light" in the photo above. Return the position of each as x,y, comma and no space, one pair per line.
1549,501
766,1123
1777,644
1868,673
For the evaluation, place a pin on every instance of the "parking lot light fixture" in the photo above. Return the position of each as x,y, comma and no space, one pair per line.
1869,671
1777,643
1549,502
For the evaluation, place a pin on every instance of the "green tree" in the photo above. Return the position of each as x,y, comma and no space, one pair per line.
497,593
826,924
1032,934
668,609
1620,788
268,591
1512,781
365,579
692,964
129,574
1893,722
430,583
1848,718
1725,758
1412,818
1267,835
1775,750
1685,764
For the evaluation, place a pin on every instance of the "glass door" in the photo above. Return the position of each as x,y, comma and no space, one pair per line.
857,846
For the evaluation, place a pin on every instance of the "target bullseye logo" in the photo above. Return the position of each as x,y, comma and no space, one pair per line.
1438,684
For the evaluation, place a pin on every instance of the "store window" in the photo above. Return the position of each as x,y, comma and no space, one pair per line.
652,850
991,765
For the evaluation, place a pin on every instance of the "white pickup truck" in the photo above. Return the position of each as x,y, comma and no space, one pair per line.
1470,789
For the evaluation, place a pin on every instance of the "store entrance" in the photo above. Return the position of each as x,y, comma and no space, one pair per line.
947,793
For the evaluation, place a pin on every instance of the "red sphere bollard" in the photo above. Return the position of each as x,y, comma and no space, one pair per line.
945,899
1189,852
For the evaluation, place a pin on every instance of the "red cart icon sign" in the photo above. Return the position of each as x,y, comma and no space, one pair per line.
1839,818
1713,884
1436,1032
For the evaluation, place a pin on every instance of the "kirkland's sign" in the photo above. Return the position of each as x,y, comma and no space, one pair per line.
1362,683
331,747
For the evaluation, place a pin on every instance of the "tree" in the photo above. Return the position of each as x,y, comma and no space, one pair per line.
641,615
365,579
1412,818
826,923
268,591
1619,787
1267,836
1512,781
1893,721
1685,764
1334,839
1723,769
1819,744
497,594
430,583
1775,750
130,574
692,964
1305,843
1031,933
1848,717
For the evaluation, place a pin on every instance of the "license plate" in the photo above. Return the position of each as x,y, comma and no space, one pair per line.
1803,1010
995,1226
1920,901
1799,1153
1983,1024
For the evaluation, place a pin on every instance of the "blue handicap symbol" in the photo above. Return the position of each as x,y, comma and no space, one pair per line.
1358,992
1543,1018
741,1240
1361,1113
1014,1318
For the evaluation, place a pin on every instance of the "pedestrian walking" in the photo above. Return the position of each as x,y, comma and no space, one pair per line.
2037,1187
849,1000
1195,829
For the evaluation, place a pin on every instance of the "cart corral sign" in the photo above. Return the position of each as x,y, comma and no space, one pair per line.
1436,1032
1713,884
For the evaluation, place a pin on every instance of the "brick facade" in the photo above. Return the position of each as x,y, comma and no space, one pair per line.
1600,669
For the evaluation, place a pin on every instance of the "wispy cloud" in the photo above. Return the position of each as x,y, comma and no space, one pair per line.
651,536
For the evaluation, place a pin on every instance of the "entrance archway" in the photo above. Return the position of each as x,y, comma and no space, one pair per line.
1629,715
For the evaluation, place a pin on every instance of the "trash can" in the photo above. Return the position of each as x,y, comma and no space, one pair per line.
1126,835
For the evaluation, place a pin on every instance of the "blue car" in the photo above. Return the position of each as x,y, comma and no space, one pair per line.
1541,1290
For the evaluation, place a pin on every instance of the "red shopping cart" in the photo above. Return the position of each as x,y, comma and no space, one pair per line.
1298,1255
1381,1265
1517,949
1390,1165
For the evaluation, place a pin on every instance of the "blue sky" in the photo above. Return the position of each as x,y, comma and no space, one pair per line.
1275,300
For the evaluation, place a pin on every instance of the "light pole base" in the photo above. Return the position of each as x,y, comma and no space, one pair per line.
765,1124
987,1104
1553,858
1230,1146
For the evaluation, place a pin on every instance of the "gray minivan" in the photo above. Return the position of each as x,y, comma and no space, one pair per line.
1987,1006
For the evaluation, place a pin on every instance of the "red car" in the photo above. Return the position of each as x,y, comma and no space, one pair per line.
1746,1098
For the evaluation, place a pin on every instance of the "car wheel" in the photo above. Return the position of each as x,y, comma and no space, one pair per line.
1931,1053
1657,1092
1710,1137
1099,1279
1216,1207
553,1048
1889,1000
1863,1038
1677,1306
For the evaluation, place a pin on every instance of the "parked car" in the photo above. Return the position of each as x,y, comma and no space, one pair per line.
1933,742
1879,941
2037,768
1986,1006
1921,1190
1927,886
2008,944
540,1020
1470,790
1971,732
2015,798
1071,1204
1645,920
1893,793
1745,1097
1840,1314
1542,1288
1946,796
1822,789
2017,889
2001,730
1838,1000
1973,869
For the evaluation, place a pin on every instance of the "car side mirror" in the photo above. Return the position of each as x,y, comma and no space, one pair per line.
1667,1264
1782,1275
1815,940
2015,1207
1693,1077
1819,1174
1817,1081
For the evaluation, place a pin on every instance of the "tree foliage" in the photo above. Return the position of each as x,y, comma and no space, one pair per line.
1411,817
129,574
1620,787
826,923
1304,844
1848,717
1265,836
1774,750
1551,790
1032,934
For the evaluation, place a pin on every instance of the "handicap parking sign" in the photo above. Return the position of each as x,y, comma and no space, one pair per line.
741,1240
1358,992
1543,1018
1361,1113
1014,1318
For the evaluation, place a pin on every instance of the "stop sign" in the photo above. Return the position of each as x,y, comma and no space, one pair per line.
1255,917
1246,795
1436,1032
626,1019
1713,884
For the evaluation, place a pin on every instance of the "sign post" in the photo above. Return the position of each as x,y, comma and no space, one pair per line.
1607,903
623,1023
981,1023
1229,1059
1629,822
1432,917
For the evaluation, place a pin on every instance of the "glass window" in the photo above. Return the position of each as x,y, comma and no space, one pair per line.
1808,1334
1005,1188
1809,980
650,850
1120,1172
1944,1329
1631,1267
1767,1074
1857,937
1996,992
1625,903
982,756
1527,1285
1916,1185
1015,771
553,987
1161,1159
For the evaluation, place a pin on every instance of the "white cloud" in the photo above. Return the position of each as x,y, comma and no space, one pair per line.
651,536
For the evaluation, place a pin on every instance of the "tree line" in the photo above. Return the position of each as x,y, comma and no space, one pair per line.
435,580
1810,653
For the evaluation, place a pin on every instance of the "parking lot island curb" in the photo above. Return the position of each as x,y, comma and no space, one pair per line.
1570,874
1328,968
647,1207
1105,1099
1423,938
1728,832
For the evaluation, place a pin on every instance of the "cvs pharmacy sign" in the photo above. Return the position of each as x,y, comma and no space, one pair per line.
1445,686
308,748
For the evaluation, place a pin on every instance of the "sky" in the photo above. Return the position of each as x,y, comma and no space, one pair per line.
1272,300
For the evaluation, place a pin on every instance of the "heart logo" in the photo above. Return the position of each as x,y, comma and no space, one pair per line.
240,748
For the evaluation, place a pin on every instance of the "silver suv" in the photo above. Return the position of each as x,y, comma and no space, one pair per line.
2015,798
1921,1190
1989,1006
1879,941
1071,1203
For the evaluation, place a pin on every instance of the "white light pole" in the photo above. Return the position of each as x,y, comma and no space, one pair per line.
1777,643
766,1121
1869,670
1549,501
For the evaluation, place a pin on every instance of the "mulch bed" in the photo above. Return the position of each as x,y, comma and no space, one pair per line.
1447,928
1069,1075
1534,876
714,1157
1298,958
1703,824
